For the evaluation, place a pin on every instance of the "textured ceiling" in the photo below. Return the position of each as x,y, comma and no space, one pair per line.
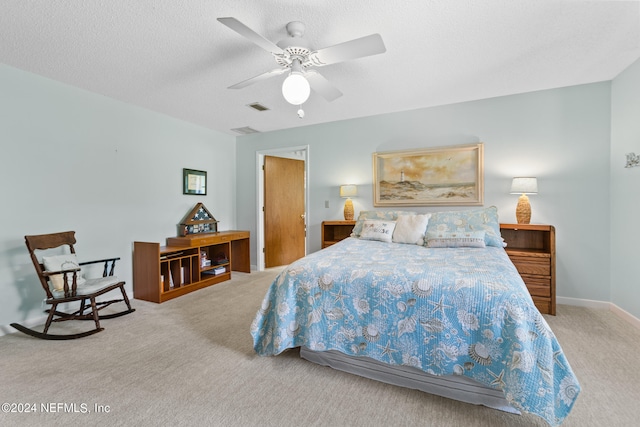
174,57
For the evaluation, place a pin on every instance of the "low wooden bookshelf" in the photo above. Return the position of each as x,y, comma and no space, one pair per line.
187,263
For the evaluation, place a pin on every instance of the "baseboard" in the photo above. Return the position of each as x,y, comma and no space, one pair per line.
38,320
623,314
29,323
579,302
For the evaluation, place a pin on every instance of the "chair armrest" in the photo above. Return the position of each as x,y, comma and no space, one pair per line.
97,261
53,273
107,271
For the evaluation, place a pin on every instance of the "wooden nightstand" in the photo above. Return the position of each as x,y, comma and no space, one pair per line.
532,249
334,231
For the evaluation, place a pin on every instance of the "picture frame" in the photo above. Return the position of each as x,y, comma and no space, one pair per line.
194,182
440,176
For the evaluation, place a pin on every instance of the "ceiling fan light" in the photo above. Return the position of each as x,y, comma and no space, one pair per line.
296,89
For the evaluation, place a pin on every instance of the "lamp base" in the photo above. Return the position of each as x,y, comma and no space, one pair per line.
348,210
523,210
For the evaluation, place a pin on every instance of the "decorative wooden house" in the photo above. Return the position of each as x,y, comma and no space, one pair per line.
198,220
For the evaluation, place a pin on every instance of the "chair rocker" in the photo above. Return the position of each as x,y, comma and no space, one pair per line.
62,281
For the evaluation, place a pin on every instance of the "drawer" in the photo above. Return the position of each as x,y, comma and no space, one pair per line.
212,240
538,286
532,265
543,305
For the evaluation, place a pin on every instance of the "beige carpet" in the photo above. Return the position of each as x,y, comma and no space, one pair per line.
190,362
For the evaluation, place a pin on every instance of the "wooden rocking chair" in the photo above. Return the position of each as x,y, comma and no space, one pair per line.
61,279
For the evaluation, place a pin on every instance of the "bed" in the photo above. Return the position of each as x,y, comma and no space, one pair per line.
440,308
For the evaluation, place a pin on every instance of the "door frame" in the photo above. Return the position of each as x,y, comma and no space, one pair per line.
278,152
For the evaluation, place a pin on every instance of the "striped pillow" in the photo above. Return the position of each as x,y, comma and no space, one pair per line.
455,239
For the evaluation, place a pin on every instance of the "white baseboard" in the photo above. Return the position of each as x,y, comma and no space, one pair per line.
38,320
29,323
579,302
623,314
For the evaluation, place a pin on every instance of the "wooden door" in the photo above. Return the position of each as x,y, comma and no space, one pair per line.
284,213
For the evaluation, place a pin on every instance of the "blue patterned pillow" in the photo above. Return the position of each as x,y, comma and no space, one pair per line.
383,215
485,219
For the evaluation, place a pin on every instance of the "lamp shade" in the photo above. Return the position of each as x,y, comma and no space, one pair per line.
349,190
521,185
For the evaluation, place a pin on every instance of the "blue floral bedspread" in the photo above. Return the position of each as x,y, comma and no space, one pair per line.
463,311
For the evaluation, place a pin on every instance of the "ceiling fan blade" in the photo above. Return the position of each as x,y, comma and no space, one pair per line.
260,77
358,48
247,32
322,86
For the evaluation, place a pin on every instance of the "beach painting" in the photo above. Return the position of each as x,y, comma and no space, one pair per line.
429,177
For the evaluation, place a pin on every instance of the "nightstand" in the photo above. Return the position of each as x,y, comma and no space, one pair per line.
334,231
532,249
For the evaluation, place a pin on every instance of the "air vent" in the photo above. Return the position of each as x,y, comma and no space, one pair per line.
245,130
257,106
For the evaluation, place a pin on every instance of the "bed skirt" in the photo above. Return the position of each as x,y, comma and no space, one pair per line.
451,386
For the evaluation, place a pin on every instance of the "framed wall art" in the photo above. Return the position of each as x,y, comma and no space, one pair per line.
194,182
442,176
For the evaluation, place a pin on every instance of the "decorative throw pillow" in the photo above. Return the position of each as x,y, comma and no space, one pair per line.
455,239
59,263
411,229
386,215
484,219
377,230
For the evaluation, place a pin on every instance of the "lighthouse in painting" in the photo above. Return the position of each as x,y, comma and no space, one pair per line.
402,175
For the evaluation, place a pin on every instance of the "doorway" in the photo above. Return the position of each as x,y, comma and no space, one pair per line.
281,220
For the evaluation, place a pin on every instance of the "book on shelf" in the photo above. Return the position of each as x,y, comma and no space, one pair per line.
215,271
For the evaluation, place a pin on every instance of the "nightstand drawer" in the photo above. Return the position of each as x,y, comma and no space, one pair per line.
543,305
538,286
532,265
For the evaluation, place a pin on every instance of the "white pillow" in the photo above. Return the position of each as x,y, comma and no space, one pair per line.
377,230
456,239
411,229
386,215
59,263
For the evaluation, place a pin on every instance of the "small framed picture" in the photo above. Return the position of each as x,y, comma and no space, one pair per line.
194,182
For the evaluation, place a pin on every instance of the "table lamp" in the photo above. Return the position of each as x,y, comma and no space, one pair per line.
346,192
524,186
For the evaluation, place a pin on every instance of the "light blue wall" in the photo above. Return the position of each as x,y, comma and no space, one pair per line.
625,190
71,159
74,160
561,136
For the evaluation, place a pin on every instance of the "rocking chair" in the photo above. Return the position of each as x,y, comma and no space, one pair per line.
62,281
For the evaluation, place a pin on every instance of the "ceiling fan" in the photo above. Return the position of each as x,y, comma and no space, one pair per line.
295,56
